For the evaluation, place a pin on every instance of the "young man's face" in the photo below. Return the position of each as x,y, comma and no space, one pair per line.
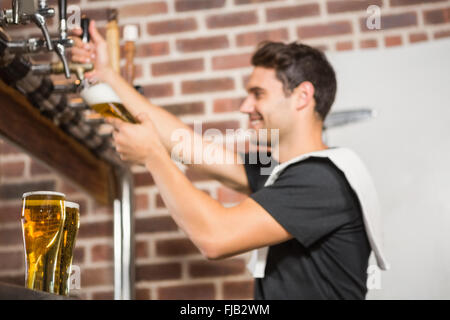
266,103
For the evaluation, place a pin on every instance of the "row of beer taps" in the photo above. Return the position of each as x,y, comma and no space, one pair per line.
37,12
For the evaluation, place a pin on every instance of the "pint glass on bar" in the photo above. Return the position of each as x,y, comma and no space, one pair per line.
70,230
102,98
43,215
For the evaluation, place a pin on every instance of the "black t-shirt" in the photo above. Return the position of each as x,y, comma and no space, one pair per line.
328,255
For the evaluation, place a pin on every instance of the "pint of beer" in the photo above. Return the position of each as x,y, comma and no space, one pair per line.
70,230
43,215
102,98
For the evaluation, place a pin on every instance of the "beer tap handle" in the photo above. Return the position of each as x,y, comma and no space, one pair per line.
60,51
85,37
42,4
58,68
16,4
39,20
60,48
62,7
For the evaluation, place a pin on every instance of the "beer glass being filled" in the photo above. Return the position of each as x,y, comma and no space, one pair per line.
69,233
102,98
43,215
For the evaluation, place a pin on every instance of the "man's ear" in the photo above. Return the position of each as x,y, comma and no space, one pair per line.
303,95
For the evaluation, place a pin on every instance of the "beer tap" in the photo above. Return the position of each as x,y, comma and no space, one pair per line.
16,6
24,11
59,67
85,37
32,45
64,41
39,19
66,88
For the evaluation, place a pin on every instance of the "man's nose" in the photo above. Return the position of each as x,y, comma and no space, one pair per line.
247,106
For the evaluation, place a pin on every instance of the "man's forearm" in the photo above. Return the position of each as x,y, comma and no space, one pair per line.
133,101
194,211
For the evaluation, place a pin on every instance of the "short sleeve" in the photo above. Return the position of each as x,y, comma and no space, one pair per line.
310,199
253,169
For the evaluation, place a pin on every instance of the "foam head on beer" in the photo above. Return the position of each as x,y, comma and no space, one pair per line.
102,98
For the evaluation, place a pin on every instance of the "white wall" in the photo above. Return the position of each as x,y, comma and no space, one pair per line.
407,149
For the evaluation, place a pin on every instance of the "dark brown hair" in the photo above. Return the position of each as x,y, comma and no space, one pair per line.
295,63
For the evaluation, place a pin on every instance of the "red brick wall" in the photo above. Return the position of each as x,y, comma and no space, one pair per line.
193,59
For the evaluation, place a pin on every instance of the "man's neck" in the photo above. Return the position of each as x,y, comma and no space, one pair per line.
296,145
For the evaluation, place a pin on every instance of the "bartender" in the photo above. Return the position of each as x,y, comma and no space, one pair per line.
313,221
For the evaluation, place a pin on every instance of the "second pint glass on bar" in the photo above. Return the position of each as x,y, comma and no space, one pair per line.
43,214
70,230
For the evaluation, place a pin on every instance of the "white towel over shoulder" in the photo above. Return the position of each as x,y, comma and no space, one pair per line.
359,179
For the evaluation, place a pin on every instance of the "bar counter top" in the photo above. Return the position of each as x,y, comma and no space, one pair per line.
14,292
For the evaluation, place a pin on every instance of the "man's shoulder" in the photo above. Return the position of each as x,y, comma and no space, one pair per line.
318,179
318,171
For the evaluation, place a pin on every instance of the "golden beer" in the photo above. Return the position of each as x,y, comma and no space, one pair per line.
103,99
70,230
43,214
114,109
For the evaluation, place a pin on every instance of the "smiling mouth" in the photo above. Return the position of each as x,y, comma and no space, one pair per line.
255,120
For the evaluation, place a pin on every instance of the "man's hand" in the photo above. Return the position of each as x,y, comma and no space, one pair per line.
137,143
95,51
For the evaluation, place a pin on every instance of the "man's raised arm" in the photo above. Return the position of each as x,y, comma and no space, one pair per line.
232,174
